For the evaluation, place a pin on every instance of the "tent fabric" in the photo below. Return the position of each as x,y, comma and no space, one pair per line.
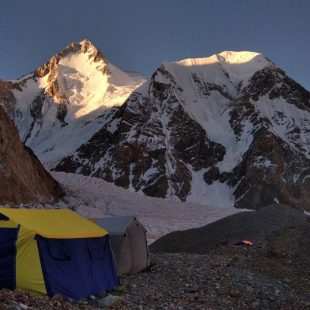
116,224
138,247
116,243
129,244
75,267
8,224
29,274
79,272
8,238
56,223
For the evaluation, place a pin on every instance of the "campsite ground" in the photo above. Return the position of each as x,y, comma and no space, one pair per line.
273,274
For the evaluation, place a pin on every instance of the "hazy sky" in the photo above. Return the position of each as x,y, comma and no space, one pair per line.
139,35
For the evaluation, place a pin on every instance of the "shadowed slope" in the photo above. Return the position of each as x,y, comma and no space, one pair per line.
249,225
22,177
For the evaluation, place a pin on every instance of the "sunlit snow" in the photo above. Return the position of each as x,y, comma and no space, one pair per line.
89,89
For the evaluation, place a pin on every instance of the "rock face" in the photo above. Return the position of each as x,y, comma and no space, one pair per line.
22,177
64,102
230,129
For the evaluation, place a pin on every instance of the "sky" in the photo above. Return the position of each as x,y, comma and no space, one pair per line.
138,35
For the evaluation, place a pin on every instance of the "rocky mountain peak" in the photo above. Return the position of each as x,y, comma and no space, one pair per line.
85,47
68,96
75,50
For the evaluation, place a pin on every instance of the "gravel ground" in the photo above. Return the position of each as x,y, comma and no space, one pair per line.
273,274
21,300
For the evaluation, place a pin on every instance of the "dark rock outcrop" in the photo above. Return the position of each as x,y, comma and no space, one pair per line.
23,179
270,170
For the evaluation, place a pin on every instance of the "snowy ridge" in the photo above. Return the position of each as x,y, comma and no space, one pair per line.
235,66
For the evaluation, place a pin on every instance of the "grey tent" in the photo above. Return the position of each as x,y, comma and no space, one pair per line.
128,239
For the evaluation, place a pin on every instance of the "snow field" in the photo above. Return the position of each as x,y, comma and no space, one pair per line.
93,197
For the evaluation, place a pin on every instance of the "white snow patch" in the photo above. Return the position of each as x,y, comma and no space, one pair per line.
276,200
217,194
261,161
114,125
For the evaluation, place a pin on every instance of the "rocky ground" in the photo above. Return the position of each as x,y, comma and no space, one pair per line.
20,300
228,278
273,274
257,277
23,300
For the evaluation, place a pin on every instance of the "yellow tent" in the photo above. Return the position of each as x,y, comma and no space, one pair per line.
40,251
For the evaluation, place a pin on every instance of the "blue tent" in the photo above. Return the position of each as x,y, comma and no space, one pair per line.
54,252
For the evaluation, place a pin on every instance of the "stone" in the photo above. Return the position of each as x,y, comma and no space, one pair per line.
249,289
120,289
57,297
255,304
108,301
213,174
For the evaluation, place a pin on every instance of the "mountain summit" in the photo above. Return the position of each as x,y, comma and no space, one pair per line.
230,129
237,66
66,100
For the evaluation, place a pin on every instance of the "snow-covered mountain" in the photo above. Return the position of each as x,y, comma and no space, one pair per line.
230,128
64,102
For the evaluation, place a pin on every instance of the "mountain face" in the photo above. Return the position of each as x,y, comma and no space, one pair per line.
22,177
230,129
64,102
